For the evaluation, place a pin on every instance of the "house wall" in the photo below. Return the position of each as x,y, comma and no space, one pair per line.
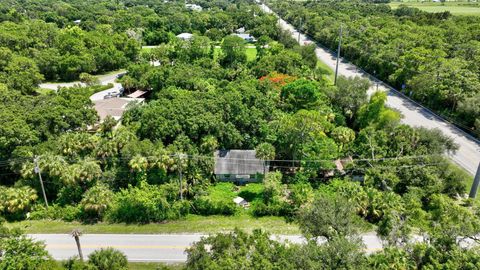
254,178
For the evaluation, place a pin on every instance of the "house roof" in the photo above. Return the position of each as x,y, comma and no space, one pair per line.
239,200
240,30
113,107
137,94
239,162
244,36
185,35
193,7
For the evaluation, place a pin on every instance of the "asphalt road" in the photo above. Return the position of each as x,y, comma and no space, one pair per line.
468,154
148,248
104,80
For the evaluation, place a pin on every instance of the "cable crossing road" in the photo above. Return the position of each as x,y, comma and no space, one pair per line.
468,154
169,248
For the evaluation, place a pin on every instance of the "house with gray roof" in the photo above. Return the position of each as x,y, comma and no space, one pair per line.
239,166
246,37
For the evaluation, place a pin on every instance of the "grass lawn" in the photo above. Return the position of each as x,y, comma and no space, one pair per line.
190,224
329,74
148,266
153,266
250,51
456,8
44,91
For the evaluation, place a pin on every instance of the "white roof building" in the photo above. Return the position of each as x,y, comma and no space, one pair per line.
240,201
193,7
240,30
185,36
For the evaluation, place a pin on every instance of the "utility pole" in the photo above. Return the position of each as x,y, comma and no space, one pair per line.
37,170
338,53
476,182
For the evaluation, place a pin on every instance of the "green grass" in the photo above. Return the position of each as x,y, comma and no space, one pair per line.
190,224
456,8
222,191
44,91
251,192
251,53
153,266
147,49
329,75
146,266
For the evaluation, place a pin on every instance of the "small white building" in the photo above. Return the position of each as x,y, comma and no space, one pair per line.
77,22
185,36
240,202
240,30
193,7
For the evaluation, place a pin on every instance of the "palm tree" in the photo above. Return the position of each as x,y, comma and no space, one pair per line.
265,152
138,163
76,234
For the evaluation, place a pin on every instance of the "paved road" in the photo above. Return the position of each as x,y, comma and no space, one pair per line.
468,154
104,80
153,248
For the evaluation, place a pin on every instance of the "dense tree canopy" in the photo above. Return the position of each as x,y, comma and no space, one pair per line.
431,57
338,159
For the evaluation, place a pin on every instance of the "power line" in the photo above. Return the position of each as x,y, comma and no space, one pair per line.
244,160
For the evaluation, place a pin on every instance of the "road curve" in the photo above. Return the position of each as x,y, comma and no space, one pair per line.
468,154
168,248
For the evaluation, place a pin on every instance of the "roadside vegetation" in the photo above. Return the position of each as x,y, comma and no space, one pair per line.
431,57
339,161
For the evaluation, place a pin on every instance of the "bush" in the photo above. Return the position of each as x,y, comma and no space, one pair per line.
219,200
21,252
108,259
56,212
143,204
74,263
96,201
275,208
206,206
16,202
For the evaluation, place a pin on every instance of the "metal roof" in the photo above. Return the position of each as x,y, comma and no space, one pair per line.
239,162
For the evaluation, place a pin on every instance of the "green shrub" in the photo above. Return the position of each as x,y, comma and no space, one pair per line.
217,201
22,252
56,212
16,202
206,206
74,263
96,201
180,209
108,259
275,208
143,204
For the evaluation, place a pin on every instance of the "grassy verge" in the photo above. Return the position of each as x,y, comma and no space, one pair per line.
456,8
190,224
153,266
329,75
